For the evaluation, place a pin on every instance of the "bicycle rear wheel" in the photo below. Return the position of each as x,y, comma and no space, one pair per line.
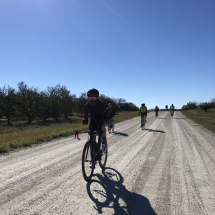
87,158
103,157
143,123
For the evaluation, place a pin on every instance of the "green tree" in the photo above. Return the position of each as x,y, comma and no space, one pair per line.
54,96
27,100
43,108
213,103
205,106
8,103
121,103
81,101
66,101
190,105
106,100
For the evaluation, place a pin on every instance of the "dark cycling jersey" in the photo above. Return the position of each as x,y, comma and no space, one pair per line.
97,113
110,112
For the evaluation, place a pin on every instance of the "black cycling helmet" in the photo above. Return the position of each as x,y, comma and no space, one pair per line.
109,104
143,104
93,92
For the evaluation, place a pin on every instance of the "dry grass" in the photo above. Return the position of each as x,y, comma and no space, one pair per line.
206,119
20,134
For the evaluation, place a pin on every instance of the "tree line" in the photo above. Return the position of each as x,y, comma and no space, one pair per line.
203,105
54,102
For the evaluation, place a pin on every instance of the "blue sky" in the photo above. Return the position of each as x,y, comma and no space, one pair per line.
154,51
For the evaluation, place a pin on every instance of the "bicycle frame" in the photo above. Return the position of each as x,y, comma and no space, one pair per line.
94,144
156,113
171,112
110,125
143,121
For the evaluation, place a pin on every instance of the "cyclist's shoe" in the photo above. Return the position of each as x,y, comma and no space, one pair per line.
90,164
104,147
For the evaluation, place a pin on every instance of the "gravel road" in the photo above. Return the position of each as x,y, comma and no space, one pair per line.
168,168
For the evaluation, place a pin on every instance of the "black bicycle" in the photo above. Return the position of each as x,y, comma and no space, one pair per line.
110,126
92,153
143,121
156,113
171,113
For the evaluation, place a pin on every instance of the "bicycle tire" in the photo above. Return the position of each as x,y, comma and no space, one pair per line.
87,157
103,157
143,123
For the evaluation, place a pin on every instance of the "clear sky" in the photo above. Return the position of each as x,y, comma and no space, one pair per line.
154,51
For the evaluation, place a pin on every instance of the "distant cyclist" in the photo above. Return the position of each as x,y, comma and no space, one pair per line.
143,112
166,107
110,113
172,108
156,110
96,108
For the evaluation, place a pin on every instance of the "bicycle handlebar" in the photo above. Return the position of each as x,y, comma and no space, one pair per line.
88,131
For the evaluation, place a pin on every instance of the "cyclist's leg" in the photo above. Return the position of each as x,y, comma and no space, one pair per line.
113,120
104,141
94,126
141,117
104,124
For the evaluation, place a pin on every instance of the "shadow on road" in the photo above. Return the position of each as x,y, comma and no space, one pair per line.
109,192
152,130
121,134
179,118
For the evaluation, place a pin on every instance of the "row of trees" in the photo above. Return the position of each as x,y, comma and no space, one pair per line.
203,105
54,102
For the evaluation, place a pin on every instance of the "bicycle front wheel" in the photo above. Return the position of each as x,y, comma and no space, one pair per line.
88,161
143,122
103,157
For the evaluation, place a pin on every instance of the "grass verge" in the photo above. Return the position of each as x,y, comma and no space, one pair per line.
206,119
32,135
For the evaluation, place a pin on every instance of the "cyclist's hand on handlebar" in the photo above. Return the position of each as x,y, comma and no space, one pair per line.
85,121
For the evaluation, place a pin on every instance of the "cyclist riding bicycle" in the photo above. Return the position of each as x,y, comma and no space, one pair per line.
110,113
143,112
156,110
166,107
172,108
98,121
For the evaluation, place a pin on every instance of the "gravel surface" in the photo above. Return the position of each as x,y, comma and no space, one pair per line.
168,168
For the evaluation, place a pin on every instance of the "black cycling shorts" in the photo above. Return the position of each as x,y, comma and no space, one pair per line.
106,119
143,114
95,124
